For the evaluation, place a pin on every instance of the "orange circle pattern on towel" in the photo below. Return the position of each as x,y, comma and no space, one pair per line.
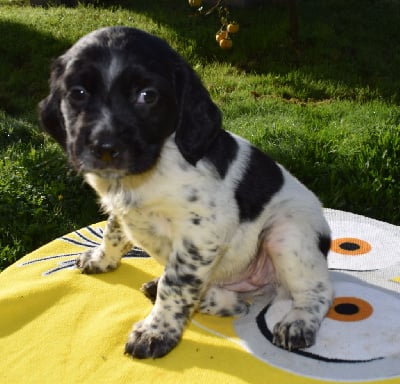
349,309
350,246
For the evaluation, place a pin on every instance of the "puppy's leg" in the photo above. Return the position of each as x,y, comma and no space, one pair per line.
106,257
302,270
179,291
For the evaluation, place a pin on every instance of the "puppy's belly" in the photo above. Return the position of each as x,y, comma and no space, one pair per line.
258,274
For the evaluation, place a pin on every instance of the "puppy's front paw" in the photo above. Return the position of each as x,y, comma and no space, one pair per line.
95,261
295,334
147,341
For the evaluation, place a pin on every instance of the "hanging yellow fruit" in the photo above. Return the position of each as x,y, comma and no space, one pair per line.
221,35
195,3
225,43
233,27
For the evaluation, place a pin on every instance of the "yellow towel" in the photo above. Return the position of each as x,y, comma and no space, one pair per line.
59,326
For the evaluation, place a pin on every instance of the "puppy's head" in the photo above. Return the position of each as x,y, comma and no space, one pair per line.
117,94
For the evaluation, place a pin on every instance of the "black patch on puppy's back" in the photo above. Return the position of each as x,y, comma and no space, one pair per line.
261,180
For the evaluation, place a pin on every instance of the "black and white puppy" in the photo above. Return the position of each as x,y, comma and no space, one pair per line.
222,217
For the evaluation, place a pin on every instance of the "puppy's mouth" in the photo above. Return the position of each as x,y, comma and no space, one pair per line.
104,171
111,174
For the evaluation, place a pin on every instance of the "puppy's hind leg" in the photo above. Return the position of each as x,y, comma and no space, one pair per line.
299,258
106,257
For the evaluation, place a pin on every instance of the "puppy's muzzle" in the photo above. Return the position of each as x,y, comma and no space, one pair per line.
105,154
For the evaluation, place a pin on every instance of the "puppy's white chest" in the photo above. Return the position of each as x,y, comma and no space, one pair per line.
154,223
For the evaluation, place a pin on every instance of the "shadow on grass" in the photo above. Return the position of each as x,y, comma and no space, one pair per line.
24,69
354,43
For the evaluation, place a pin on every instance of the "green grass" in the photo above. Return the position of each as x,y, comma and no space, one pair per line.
326,107
40,197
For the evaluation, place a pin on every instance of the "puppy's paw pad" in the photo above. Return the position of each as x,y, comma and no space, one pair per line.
294,335
143,343
94,261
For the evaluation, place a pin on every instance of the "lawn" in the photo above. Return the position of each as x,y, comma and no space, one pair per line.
325,106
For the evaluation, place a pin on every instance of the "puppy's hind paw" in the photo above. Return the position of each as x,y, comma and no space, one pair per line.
294,335
150,290
95,261
222,302
241,308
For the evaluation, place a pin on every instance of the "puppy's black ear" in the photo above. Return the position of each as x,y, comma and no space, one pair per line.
50,115
199,118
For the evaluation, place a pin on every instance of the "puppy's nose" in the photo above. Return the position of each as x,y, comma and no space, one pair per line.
106,151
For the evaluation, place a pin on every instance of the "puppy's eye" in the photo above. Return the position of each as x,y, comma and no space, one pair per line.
78,94
147,96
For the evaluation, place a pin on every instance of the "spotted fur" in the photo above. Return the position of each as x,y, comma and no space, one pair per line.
224,219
